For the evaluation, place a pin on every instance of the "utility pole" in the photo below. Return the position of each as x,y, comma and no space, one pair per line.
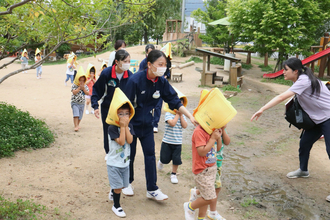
182,15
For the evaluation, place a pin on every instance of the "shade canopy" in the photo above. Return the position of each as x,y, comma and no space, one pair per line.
222,21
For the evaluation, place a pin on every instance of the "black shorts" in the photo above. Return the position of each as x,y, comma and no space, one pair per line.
170,152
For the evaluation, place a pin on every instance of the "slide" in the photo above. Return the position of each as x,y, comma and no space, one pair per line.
308,60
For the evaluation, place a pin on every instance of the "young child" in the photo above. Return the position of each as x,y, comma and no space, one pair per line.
118,159
79,90
37,58
25,60
213,214
172,141
71,66
103,66
91,79
204,169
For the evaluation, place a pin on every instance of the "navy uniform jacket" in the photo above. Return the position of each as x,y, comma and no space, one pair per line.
143,65
144,95
106,83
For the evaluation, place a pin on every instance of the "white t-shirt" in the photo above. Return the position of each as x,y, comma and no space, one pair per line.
316,106
111,58
70,70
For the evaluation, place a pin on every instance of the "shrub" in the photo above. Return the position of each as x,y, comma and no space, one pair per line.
21,131
217,61
195,59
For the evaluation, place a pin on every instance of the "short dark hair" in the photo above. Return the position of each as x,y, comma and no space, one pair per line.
154,55
182,99
92,70
119,43
149,46
120,56
125,106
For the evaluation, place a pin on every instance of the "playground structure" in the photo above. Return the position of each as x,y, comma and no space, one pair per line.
323,57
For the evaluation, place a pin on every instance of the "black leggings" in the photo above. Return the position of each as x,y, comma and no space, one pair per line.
309,137
104,114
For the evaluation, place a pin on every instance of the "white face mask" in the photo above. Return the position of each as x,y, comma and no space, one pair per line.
160,71
125,66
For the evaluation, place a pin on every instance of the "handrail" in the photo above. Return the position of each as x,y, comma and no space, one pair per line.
233,59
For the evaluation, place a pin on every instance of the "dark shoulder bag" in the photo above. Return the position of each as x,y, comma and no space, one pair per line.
296,116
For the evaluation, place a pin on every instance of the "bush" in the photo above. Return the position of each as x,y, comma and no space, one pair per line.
217,61
195,59
21,131
19,209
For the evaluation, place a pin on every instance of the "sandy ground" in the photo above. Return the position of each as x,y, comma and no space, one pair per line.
70,176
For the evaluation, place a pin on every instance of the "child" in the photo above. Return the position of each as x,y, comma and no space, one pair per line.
71,66
172,141
118,159
25,60
91,79
213,214
103,66
79,90
37,58
204,169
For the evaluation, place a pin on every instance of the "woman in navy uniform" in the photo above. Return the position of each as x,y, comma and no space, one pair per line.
144,89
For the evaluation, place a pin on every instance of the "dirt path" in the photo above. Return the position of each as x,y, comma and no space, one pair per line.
71,174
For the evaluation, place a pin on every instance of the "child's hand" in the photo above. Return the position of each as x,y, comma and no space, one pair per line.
123,121
216,134
179,113
224,127
82,86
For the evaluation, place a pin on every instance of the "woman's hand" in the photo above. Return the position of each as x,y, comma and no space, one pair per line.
97,113
257,115
193,120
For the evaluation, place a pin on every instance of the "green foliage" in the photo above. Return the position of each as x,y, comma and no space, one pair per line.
180,47
217,61
230,88
278,80
20,209
246,66
21,131
289,26
195,59
63,48
216,35
248,202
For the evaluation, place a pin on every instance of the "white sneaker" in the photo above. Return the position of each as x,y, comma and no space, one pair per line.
193,194
110,195
216,216
174,179
155,130
128,191
87,112
188,213
92,112
119,212
160,165
157,195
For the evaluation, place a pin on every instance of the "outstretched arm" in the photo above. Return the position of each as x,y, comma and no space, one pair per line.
276,100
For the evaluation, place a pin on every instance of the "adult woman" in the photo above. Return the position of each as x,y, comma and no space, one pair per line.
120,44
144,89
313,96
110,78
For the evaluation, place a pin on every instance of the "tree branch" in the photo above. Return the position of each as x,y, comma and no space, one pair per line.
10,9
7,64
72,5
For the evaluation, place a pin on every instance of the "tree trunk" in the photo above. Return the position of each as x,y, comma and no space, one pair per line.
145,36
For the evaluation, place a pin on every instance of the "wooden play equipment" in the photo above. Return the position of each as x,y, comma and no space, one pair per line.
208,77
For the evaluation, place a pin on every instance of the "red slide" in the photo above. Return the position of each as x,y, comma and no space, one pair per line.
308,60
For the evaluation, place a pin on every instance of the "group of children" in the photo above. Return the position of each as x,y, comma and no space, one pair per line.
25,61
206,150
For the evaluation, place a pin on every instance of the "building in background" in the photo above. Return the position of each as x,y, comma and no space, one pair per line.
191,5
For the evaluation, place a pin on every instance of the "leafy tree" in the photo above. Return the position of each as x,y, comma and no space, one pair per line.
289,26
24,24
216,35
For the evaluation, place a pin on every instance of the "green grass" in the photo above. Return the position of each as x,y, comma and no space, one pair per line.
217,61
21,131
248,202
186,152
230,88
278,80
195,59
246,66
254,130
263,68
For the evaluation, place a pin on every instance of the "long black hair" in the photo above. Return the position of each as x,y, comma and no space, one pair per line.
120,56
154,55
296,64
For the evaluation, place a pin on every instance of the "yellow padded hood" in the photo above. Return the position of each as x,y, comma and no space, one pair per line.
180,95
167,49
104,64
80,73
88,73
38,51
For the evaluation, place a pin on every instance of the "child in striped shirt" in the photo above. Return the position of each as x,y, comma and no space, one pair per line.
172,142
